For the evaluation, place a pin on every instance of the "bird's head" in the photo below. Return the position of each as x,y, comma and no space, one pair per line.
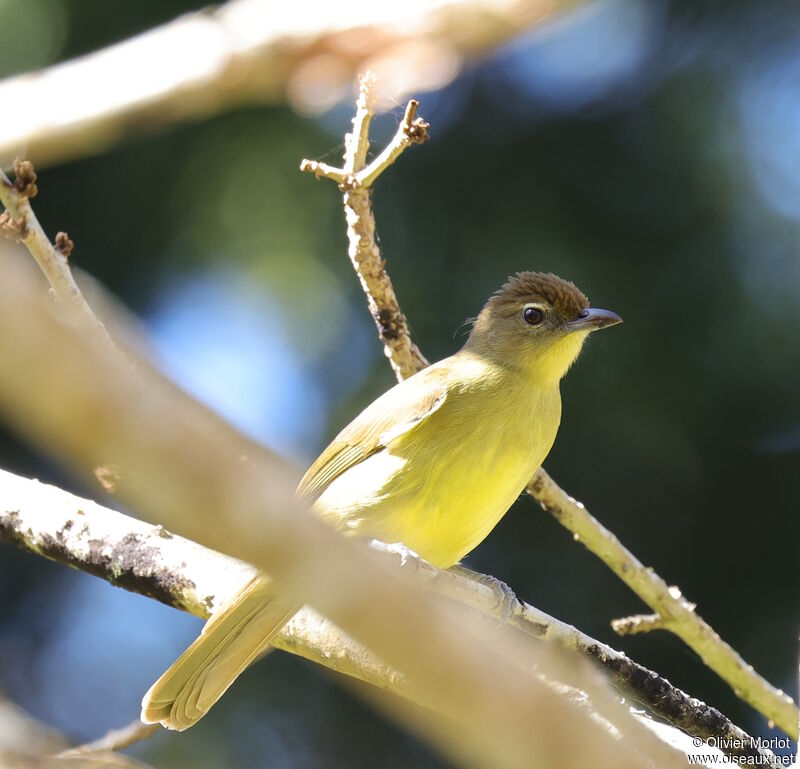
537,322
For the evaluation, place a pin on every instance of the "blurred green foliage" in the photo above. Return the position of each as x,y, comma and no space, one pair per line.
681,429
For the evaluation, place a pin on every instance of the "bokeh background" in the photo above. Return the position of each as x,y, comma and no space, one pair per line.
647,150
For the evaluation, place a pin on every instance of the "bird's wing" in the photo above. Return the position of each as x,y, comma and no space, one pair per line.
396,412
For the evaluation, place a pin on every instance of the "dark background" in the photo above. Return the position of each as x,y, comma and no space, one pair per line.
649,151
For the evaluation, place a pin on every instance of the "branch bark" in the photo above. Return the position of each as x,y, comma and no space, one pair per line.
673,612
151,561
355,179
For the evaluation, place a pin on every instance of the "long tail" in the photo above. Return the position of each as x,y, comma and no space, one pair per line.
231,639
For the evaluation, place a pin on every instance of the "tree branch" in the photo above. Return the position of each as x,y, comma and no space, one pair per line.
363,250
18,222
675,612
25,743
186,468
149,560
114,740
244,52
638,623
130,408
672,611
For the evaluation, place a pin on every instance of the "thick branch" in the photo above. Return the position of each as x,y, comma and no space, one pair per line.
187,469
675,612
249,51
147,559
142,424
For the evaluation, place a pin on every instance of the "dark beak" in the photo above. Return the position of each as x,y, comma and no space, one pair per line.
593,319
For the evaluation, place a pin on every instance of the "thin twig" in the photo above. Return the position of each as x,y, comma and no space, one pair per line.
356,143
113,740
412,130
19,223
676,613
149,560
638,623
363,250
102,759
673,611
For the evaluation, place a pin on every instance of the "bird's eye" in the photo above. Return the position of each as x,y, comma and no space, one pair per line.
533,316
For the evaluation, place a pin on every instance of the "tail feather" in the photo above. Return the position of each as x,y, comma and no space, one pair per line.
231,640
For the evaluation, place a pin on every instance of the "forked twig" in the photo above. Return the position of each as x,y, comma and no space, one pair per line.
356,180
18,222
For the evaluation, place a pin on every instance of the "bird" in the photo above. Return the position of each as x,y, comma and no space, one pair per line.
432,464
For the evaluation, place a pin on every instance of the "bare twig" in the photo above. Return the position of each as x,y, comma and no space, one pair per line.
363,250
356,173
412,130
96,759
638,623
25,743
116,739
675,612
19,222
149,560
672,611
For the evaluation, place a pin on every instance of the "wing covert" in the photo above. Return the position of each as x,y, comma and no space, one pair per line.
396,412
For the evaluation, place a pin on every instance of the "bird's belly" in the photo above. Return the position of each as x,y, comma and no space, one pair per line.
440,505
446,522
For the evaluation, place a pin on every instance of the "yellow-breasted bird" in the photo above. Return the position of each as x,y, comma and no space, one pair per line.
434,463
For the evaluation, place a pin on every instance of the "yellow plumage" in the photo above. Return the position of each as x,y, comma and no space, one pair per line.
434,464
439,480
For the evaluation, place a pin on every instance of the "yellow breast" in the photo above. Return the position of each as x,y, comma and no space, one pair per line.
441,487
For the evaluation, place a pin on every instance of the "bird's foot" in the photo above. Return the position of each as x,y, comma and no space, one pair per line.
507,599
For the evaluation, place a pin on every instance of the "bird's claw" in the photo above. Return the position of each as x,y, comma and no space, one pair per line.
506,597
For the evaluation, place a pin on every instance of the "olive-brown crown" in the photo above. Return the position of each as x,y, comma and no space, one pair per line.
563,296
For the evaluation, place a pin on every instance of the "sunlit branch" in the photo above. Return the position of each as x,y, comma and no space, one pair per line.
250,52
188,470
149,560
